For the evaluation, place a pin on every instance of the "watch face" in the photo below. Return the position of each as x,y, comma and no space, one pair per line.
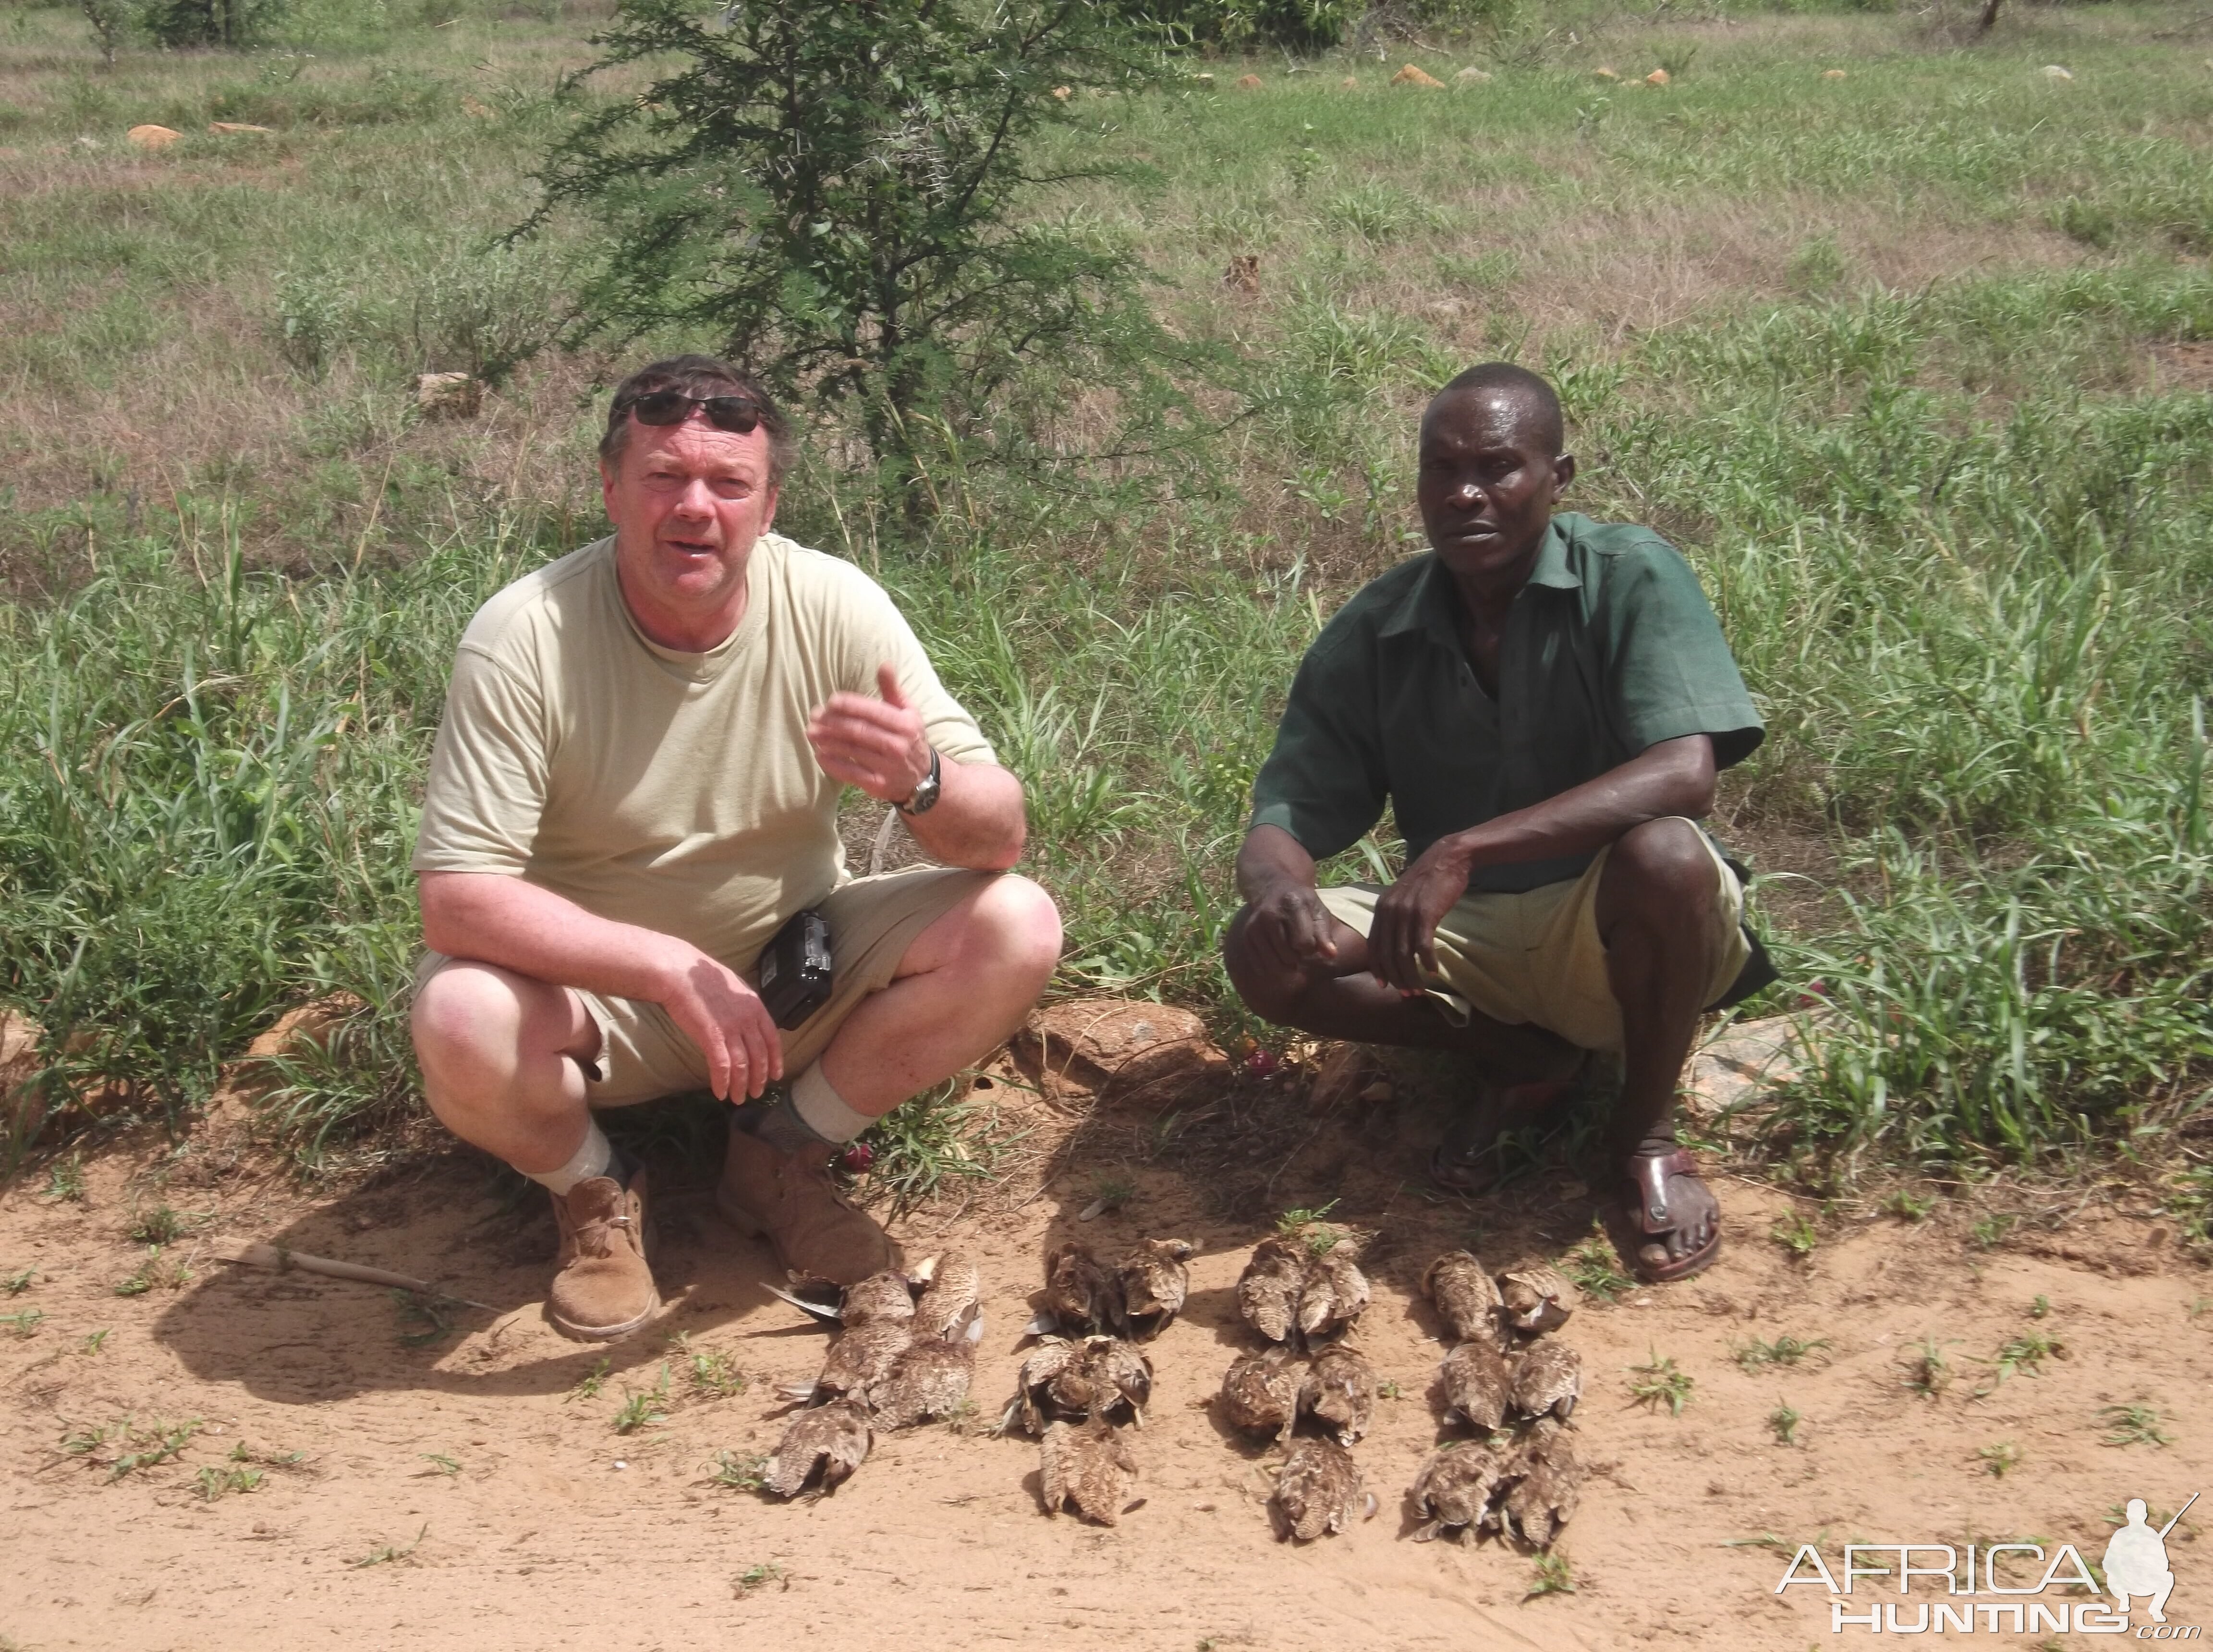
925,790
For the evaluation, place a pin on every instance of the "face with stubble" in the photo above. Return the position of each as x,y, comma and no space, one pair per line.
1492,471
687,502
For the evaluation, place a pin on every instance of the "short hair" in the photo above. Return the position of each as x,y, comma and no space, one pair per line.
1536,396
697,376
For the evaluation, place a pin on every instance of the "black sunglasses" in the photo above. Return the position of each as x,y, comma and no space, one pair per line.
737,414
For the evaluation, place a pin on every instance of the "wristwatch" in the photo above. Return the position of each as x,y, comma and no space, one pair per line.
924,798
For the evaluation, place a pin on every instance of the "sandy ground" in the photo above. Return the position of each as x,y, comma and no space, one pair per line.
556,1531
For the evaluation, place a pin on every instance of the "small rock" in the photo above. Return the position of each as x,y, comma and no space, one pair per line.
1123,1051
1658,77
447,395
1204,81
152,137
1832,74
1249,83
2053,71
1472,76
1603,73
1413,76
230,128
1062,93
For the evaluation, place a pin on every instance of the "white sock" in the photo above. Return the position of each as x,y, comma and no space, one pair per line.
823,1111
590,1160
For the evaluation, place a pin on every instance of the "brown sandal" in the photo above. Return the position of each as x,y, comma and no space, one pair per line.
1644,1218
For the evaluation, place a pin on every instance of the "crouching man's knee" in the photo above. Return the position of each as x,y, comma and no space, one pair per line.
1269,988
1015,934
474,1024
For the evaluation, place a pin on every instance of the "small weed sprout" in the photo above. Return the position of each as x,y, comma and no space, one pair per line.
439,1464
2133,1425
1988,1232
95,1341
714,1374
16,1283
155,1271
1308,1227
134,1449
644,1407
1109,1193
1783,1351
1659,1382
2000,1459
2026,1354
738,1473
1906,1207
392,1552
158,1226
1386,1391
588,1386
213,1483
1785,1422
1928,1373
1591,1268
2040,1308
421,1322
1796,1235
1555,1575
65,1180
22,1322
759,1577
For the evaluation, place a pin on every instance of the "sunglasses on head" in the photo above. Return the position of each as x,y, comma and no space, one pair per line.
737,414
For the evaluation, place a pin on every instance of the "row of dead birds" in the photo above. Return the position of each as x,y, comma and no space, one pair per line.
905,1353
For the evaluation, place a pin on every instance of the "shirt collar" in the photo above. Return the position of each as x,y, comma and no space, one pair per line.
1428,603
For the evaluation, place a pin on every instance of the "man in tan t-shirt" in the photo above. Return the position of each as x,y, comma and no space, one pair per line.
635,785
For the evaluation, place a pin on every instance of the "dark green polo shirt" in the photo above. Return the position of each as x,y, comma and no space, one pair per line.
1609,648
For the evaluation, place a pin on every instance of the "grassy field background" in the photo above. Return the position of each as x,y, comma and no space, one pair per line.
1906,343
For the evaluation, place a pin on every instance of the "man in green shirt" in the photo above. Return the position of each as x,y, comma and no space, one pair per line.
1545,702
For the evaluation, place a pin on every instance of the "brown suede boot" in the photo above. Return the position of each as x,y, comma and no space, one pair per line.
603,1289
790,1200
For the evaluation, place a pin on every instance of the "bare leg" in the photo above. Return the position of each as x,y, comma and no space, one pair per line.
1342,1000
1654,913
500,1054
965,983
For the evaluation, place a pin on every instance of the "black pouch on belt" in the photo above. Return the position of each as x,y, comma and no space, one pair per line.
795,969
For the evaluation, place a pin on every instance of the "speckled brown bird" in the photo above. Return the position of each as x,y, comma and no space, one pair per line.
831,1441
1340,1393
1547,1484
1536,1299
1152,1281
1081,1297
881,1298
1478,1384
1260,1392
1317,1491
952,1286
1452,1494
1548,1380
930,1379
1331,1297
1268,1289
1467,1299
1069,1381
862,1357
1086,1467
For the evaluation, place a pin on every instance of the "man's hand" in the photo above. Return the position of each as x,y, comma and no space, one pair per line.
717,1011
1402,941
876,744
1289,927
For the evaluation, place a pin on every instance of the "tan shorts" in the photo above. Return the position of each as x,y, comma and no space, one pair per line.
644,1055
1535,956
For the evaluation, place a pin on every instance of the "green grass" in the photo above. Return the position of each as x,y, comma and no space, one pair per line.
1660,1382
1782,1423
1902,413
643,1408
1756,1356
2134,1425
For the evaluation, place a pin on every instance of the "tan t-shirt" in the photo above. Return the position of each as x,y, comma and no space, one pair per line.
672,790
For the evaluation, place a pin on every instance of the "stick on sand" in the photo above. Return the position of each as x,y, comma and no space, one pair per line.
257,1255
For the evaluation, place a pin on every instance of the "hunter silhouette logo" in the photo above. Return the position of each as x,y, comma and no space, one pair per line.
2136,1561
2002,1588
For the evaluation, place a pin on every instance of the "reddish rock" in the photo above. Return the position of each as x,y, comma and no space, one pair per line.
1124,1051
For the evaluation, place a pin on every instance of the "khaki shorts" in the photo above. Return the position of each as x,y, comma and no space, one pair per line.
1535,956
644,1055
